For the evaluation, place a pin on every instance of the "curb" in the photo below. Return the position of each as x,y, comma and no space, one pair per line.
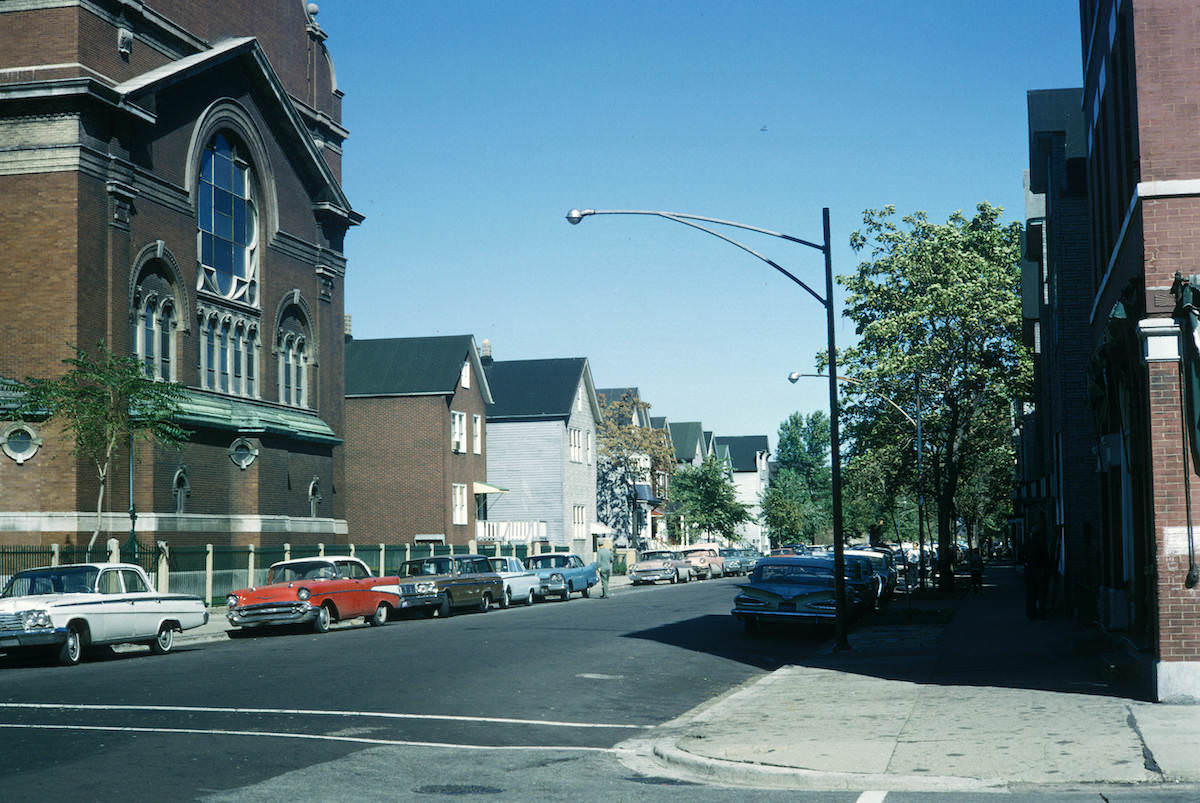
741,773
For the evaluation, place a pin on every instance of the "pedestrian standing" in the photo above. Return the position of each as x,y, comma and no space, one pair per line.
1037,577
604,563
975,564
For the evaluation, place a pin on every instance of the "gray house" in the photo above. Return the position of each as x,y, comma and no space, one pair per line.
542,445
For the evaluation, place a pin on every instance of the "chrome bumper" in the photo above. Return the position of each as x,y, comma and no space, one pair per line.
271,613
16,639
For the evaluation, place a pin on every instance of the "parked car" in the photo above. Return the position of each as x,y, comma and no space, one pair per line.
706,560
736,562
787,588
561,574
881,562
66,609
320,591
791,549
463,581
659,564
519,581
862,583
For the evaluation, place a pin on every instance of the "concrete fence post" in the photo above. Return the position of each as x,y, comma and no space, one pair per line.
287,551
250,566
382,549
408,552
208,573
164,568
351,549
54,555
114,550
473,547
321,550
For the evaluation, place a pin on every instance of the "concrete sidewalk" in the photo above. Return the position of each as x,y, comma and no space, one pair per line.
985,701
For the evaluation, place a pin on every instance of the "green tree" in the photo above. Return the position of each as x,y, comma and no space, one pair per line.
102,402
788,511
803,449
937,309
628,453
706,499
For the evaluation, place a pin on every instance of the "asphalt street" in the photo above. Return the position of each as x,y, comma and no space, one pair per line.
428,704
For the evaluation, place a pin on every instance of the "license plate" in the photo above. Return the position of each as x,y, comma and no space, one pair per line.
9,642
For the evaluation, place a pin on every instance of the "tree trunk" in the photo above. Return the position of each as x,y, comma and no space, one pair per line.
99,511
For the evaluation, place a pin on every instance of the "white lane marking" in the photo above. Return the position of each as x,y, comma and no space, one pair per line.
595,676
319,713
871,797
312,736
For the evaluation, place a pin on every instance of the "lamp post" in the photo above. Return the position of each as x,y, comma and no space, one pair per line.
795,375
696,221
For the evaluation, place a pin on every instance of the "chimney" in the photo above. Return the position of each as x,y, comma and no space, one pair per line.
346,327
485,352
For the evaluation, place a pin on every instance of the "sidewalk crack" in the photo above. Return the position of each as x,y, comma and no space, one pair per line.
1147,754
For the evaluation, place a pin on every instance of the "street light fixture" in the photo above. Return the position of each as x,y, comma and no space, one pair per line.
695,221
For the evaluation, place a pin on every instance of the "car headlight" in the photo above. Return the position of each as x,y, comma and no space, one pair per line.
556,578
35,619
231,601
426,588
303,594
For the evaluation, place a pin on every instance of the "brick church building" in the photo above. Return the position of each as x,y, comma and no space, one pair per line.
171,182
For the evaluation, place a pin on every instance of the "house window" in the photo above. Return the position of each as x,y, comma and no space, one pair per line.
154,325
228,351
19,442
588,449
314,496
458,503
181,488
242,453
477,434
577,440
227,222
458,431
579,522
295,357
466,375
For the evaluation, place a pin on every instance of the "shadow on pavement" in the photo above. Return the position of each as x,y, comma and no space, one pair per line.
961,639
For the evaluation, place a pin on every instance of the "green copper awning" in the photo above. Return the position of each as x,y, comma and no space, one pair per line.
203,411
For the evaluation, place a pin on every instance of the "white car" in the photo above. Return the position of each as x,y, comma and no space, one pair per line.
519,582
65,609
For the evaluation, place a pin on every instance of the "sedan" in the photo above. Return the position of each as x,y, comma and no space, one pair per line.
519,580
659,564
562,573
787,589
65,609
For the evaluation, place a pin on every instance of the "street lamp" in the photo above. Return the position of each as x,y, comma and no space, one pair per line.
796,375
695,221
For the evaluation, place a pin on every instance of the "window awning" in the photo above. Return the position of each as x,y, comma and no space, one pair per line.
484,488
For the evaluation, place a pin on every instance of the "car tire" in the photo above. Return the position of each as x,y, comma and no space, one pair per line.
71,650
587,592
164,641
380,617
529,597
485,602
322,620
675,577
565,596
444,610
506,601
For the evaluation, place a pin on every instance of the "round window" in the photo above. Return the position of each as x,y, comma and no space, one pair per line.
242,453
19,442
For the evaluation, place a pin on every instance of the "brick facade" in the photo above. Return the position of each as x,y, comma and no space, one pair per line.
92,183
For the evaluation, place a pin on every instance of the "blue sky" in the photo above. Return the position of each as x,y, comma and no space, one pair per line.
475,127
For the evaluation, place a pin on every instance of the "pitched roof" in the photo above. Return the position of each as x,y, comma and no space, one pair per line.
743,450
686,437
526,390
411,366
610,395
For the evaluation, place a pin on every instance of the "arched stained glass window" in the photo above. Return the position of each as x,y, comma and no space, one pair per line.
227,220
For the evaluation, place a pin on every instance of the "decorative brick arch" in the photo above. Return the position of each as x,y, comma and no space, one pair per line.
158,254
228,114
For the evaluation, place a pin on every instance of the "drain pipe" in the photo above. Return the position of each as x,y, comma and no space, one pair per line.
1184,292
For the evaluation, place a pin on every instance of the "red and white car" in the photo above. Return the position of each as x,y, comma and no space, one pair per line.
706,560
322,590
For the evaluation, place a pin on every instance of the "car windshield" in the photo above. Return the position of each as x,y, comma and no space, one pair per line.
809,575
502,564
57,580
656,556
730,553
548,562
691,553
302,570
430,567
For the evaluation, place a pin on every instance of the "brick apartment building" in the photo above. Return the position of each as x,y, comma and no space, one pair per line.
416,439
170,176
1141,124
